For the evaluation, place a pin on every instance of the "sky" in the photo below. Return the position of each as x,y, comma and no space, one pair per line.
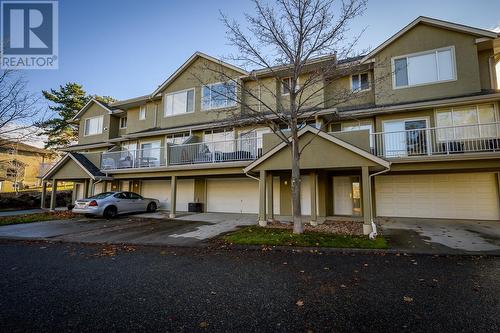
126,48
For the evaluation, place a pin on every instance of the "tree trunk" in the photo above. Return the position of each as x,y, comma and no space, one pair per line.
298,228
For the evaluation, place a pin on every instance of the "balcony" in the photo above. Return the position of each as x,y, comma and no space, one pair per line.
184,154
438,141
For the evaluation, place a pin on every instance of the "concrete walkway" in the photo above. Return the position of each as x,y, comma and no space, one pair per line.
140,229
442,235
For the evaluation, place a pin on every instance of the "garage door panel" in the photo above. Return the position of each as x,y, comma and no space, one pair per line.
160,189
233,195
470,196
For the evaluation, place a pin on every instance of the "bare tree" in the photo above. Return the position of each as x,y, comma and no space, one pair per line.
18,108
302,49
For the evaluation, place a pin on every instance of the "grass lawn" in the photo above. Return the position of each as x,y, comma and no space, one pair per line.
254,235
29,218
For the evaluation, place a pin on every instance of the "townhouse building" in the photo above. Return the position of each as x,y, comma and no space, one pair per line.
424,142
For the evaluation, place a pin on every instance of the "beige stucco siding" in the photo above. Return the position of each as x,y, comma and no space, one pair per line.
70,170
424,38
94,111
338,93
199,73
484,68
320,153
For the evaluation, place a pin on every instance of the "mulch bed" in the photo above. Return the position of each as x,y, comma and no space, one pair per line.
353,228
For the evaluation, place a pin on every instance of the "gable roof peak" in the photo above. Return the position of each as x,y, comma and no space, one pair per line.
87,106
188,62
436,23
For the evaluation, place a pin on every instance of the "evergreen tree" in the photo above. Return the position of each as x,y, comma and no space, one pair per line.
65,103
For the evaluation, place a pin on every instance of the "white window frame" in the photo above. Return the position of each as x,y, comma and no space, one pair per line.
427,122
444,128
85,126
435,51
183,135
227,100
121,119
142,112
359,76
289,78
165,115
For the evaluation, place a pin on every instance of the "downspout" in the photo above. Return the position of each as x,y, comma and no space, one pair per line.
373,234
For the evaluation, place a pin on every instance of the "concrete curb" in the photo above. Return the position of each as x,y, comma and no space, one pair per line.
294,249
358,251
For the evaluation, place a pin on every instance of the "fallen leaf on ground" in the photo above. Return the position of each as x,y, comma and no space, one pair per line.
300,302
203,324
408,299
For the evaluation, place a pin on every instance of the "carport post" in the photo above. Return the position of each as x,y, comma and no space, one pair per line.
314,214
262,198
44,194
86,188
366,187
90,187
173,196
53,196
269,187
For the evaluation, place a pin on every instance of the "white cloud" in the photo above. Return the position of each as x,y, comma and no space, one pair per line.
26,135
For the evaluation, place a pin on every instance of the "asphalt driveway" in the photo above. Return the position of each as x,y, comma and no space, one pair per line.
143,229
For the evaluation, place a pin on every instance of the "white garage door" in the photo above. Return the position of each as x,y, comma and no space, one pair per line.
239,195
160,189
460,196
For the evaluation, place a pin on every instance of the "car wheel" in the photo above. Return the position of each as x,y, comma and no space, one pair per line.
151,207
109,212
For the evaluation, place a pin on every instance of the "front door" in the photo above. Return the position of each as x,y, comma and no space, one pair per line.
346,196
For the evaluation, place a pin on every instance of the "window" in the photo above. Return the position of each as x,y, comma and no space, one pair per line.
179,102
177,138
223,140
359,82
286,83
461,121
93,125
123,122
142,112
424,68
150,154
218,95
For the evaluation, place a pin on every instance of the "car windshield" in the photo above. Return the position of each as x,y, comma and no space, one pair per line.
101,195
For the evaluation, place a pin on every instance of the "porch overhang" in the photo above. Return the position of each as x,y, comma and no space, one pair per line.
74,166
320,150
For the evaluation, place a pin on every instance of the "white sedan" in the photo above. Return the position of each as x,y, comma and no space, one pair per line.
110,204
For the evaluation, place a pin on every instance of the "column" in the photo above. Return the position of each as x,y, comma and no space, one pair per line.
173,196
73,194
86,188
53,196
262,198
44,195
90,187
314,214
366,188
270,201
